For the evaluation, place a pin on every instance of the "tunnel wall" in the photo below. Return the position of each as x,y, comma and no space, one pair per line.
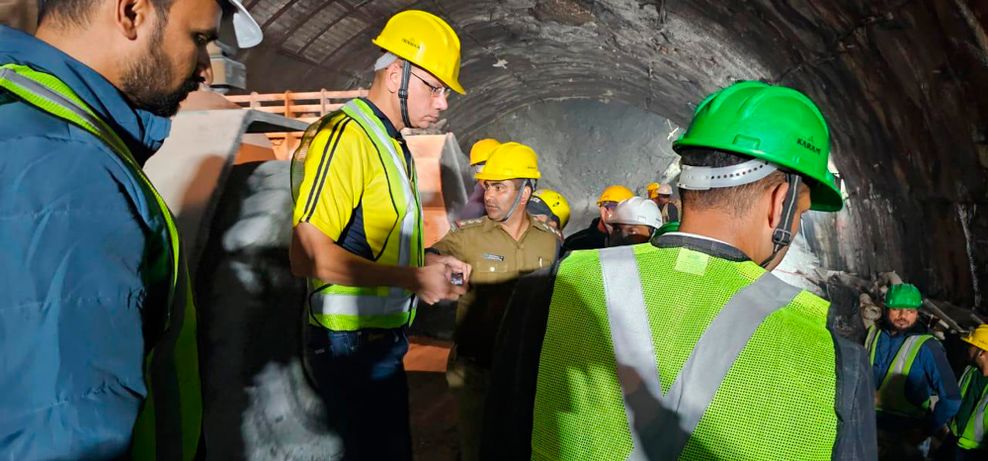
900,82
586,145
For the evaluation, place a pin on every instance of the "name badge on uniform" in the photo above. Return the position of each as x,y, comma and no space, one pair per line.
493,257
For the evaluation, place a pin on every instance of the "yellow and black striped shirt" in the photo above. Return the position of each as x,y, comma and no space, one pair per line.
345,190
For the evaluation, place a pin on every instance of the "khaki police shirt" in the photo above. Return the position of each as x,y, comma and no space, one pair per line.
498,261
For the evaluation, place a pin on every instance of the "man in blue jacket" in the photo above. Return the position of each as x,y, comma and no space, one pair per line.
910,369
90,269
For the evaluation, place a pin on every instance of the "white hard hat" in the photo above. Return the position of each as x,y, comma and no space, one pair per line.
637,211
665,189
238,28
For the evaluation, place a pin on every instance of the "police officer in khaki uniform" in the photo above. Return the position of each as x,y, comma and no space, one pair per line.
500,247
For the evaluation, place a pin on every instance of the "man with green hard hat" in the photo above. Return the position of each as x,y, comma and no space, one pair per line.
910,367
688,347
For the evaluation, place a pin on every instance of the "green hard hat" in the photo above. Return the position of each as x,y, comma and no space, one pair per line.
773,123
903,296
671,226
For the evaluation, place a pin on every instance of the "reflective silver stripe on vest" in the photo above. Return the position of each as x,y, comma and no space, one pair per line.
397,300
870,343
408,223
42,91
700,377
111,140
716,351
979,419
902,357
632,339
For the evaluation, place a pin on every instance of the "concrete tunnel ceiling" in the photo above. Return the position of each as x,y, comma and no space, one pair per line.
901,83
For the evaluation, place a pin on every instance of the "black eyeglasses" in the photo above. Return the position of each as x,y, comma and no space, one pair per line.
436,91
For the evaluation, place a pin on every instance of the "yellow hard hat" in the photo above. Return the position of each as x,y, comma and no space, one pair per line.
510,160
482,149
615,193
556,203
978,338
652,189
427,41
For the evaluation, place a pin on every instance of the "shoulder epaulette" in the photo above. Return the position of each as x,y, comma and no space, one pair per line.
468,222
546,228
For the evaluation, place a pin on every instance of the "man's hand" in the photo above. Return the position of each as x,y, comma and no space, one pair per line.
453,266
432,284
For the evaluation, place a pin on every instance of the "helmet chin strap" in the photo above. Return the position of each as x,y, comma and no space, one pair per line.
514,206
782,235
406,74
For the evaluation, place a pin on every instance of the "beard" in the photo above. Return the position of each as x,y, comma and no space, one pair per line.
147,81
902,325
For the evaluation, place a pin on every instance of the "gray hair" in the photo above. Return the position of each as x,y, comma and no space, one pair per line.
384,61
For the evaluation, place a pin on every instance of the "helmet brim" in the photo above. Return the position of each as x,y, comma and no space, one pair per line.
452,84
972,341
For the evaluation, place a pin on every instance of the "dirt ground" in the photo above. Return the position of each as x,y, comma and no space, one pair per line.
433,409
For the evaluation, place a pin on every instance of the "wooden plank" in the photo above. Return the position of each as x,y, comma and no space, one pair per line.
296,110
315,108
313,95
306,105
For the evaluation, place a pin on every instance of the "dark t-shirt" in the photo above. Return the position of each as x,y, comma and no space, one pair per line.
671,212
590,238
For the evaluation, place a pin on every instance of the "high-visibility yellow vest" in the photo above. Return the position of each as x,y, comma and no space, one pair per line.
972,435
891,394
170,419
670,353
346,308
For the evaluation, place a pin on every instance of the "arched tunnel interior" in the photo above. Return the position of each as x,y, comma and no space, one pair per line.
597,87
600,89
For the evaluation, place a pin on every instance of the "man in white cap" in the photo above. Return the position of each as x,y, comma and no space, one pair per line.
98,355
634,221
661,194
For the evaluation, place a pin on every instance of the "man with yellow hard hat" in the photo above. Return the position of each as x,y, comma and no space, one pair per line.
481,150
661,194
550,207
500,247
595,235
967,429
358,236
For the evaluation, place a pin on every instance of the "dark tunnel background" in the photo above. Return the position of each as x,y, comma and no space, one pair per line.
901,83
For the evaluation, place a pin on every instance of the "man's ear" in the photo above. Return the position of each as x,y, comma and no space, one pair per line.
526,191
777,195
130,15
394,76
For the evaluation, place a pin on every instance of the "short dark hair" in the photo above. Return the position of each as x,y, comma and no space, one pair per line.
738,199
79,12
